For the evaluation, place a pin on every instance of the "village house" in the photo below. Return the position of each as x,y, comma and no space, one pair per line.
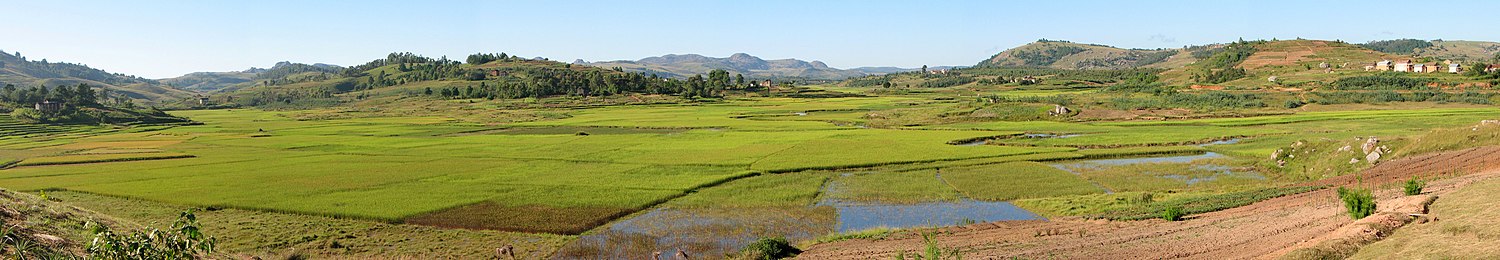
47,106
1383,65
1455,68
1420,68
1492,68
1403,66
203,101
1027,80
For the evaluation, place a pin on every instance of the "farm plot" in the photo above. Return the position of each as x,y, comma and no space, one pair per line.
536,180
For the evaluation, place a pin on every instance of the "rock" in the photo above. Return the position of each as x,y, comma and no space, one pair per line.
1353,160
1372,157
48,239
1346,148
1369,145
1280,163
1276,154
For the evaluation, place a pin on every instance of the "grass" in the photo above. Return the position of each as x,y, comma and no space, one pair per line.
525,168
891,187
1016,180
867,234
1202,174
100,158
1096,204
1201,204
270,234
767,190
1466,229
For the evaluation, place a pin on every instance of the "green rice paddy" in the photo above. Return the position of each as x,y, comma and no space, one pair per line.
585,168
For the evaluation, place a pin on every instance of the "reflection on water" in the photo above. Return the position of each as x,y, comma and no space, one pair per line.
855,216
1100,163
1218,171
703,232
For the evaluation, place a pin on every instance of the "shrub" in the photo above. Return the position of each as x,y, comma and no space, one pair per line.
770,248
185,240
1172,213
932,251
1290,104
27,115
1414,186
1359,202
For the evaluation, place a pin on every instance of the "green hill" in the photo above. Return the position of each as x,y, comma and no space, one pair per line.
19,71
1461,50
481,76
1069,55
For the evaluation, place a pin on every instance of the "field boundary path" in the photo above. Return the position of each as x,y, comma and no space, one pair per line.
1263,230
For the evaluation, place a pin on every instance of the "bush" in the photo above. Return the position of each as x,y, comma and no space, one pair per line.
1173,213
27,115
1414,186
1359,202
1290,104
770,248
932,251
185,240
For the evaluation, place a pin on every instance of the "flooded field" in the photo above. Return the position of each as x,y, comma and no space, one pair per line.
707,232
856,216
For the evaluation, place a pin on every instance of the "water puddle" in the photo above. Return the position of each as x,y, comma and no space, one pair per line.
856,216
863,215
1207,172
1216,172
702,232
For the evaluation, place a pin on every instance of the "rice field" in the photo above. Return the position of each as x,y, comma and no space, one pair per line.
579,173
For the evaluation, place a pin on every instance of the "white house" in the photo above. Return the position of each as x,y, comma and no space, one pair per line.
1455,68
1403,66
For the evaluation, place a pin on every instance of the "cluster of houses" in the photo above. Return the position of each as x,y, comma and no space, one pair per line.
1408,66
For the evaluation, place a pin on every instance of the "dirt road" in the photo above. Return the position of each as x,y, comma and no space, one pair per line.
1262,230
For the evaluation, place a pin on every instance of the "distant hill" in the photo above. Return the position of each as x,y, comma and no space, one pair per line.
1069,55
685,65
20,71
210,81
225,81
1291,61
1461,50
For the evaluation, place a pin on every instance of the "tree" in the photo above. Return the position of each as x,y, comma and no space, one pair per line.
428,91
924,69
739,80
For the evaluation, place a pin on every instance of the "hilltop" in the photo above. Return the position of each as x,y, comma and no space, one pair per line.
1461,50
22,72
209,82
1292,62
1069,55
682,66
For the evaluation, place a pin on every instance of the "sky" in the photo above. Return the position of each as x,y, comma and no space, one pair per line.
161,39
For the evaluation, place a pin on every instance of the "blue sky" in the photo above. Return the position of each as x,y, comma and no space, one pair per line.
158,39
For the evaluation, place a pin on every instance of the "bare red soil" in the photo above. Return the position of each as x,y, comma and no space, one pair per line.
1263,230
